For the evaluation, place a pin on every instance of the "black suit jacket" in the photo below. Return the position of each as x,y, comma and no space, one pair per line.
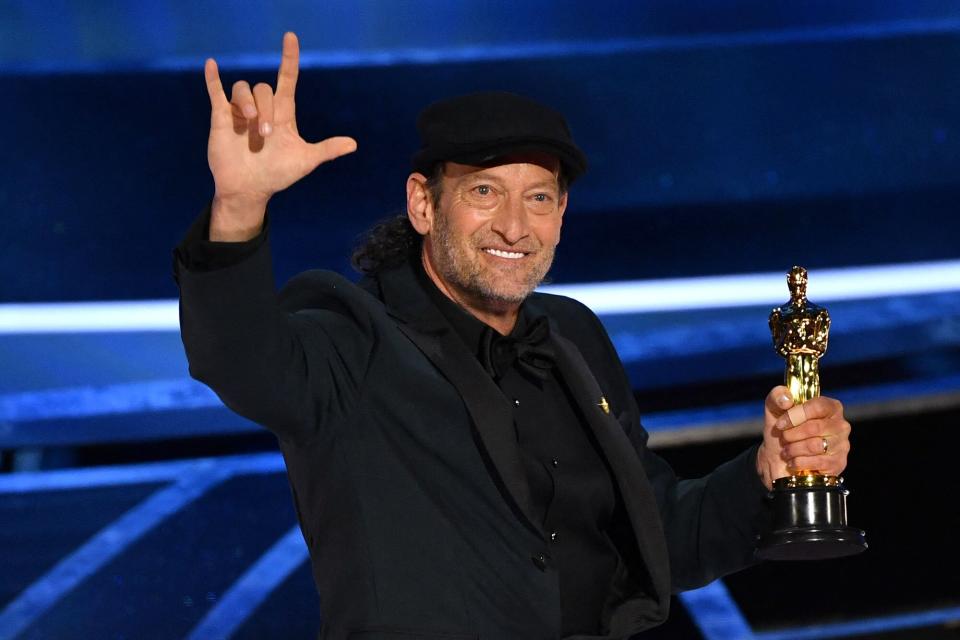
404,466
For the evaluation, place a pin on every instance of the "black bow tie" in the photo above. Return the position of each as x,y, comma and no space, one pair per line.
531,351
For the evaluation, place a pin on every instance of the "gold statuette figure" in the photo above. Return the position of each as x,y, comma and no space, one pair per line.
810,508
800,330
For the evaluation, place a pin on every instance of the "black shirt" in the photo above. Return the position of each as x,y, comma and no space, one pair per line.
572,490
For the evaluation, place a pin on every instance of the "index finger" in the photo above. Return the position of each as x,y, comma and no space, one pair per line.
818,408
289,66
822,407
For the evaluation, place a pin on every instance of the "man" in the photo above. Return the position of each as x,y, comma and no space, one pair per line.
465,456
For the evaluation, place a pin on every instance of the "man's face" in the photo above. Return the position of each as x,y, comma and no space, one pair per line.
495,229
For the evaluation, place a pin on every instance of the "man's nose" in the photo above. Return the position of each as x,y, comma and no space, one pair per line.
511,221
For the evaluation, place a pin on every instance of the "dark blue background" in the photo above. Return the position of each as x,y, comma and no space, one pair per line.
723,136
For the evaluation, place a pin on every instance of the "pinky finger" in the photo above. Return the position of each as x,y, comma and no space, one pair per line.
218,99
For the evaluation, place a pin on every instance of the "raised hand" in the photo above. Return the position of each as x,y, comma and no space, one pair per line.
254,148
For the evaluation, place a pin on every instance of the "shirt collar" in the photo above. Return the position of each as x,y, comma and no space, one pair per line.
470,328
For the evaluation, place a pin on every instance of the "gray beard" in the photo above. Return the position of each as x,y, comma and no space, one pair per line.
456,267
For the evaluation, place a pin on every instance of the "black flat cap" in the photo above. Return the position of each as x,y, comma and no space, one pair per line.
480,127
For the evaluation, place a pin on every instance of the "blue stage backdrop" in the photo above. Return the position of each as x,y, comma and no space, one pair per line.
723,137
727,139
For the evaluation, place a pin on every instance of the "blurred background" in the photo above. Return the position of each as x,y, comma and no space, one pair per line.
728,141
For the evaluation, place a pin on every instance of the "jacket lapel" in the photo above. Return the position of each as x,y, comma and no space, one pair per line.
635,487
420,320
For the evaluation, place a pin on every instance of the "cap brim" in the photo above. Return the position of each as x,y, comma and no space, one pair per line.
572,160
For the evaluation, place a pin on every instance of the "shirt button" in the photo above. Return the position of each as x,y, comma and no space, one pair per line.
555,462
516,402
541,560
553,536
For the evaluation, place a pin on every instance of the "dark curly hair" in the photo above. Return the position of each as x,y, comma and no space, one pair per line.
393,241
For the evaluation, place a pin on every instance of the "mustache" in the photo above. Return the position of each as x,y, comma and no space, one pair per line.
492,241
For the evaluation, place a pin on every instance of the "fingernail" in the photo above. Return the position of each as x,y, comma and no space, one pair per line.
249,111
781,423
784,401
265,128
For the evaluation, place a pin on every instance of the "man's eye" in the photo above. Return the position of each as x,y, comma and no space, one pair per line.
541,197
483,189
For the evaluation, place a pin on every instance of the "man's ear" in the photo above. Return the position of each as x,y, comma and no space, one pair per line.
419,203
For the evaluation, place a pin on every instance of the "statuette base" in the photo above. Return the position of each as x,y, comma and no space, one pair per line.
810,521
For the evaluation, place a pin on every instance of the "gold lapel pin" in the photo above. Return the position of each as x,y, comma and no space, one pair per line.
604,405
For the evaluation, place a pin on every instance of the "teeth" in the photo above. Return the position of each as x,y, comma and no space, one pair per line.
513,255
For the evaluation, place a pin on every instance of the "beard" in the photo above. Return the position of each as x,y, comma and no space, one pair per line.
458,261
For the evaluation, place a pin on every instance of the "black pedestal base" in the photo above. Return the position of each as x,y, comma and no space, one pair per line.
811,544
810,523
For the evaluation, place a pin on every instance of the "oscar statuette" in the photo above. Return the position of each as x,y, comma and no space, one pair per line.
810,508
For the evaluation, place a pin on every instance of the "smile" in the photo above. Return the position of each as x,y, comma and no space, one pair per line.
510,255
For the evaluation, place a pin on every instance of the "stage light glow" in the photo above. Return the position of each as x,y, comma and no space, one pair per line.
249,591
50,588
605,298
766,289
492,52
85,317
138,473
715,613
867,627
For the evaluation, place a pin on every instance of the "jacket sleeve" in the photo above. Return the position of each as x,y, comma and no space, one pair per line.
710,523
294,372
196,252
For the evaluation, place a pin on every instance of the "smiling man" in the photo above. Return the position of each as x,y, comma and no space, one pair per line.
465,455
489,240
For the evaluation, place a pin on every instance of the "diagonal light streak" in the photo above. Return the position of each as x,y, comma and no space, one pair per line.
104,546
252,588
